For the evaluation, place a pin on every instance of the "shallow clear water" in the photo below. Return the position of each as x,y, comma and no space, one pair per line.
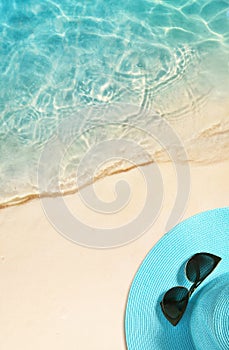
88,61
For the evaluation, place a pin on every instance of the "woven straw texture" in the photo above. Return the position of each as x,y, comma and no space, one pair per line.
210,316
163,268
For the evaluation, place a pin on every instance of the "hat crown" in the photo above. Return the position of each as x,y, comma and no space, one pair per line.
210,316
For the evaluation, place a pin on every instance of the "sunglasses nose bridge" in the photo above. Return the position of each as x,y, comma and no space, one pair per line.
193,288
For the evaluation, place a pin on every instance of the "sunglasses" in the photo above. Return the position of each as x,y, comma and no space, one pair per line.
175,300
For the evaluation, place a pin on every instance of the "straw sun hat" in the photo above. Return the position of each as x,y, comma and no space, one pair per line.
204,325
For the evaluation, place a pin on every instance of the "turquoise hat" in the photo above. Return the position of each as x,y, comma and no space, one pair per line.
205,323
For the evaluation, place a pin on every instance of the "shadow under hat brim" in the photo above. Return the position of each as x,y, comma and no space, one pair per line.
163,268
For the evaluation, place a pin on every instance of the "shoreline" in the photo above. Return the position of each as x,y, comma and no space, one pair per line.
27,198
16,201
200,138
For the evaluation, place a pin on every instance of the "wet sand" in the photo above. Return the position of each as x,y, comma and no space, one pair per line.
58,295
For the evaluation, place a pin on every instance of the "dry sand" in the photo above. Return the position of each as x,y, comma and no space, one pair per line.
55,294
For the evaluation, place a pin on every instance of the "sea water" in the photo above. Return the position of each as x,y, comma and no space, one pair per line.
88,71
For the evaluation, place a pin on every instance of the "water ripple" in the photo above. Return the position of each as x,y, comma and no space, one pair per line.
59,56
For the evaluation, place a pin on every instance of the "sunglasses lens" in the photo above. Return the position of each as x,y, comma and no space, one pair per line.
174,304
200,266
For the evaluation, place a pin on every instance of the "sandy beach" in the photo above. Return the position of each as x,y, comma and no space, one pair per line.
59,295
114,128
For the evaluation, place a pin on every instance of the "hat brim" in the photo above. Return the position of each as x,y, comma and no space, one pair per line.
163,268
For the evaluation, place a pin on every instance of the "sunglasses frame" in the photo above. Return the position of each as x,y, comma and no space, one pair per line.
216,259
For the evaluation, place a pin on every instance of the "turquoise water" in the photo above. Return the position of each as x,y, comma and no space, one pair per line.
76,59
